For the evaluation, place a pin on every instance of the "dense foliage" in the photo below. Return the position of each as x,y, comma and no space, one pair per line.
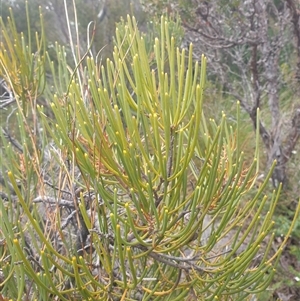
120,188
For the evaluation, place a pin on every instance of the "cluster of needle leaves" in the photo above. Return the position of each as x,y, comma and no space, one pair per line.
120,189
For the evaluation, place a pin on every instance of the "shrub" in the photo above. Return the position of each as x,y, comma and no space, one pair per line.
121,189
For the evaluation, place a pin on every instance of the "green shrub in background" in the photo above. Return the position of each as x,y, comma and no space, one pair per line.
121,189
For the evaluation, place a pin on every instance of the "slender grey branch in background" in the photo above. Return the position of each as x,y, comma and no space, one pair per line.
12,140
6,96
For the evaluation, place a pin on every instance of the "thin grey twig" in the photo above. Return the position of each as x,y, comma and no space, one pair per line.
52,200
57,188
68,219
12,140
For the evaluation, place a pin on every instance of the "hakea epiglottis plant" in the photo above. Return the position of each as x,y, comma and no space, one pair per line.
143,198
